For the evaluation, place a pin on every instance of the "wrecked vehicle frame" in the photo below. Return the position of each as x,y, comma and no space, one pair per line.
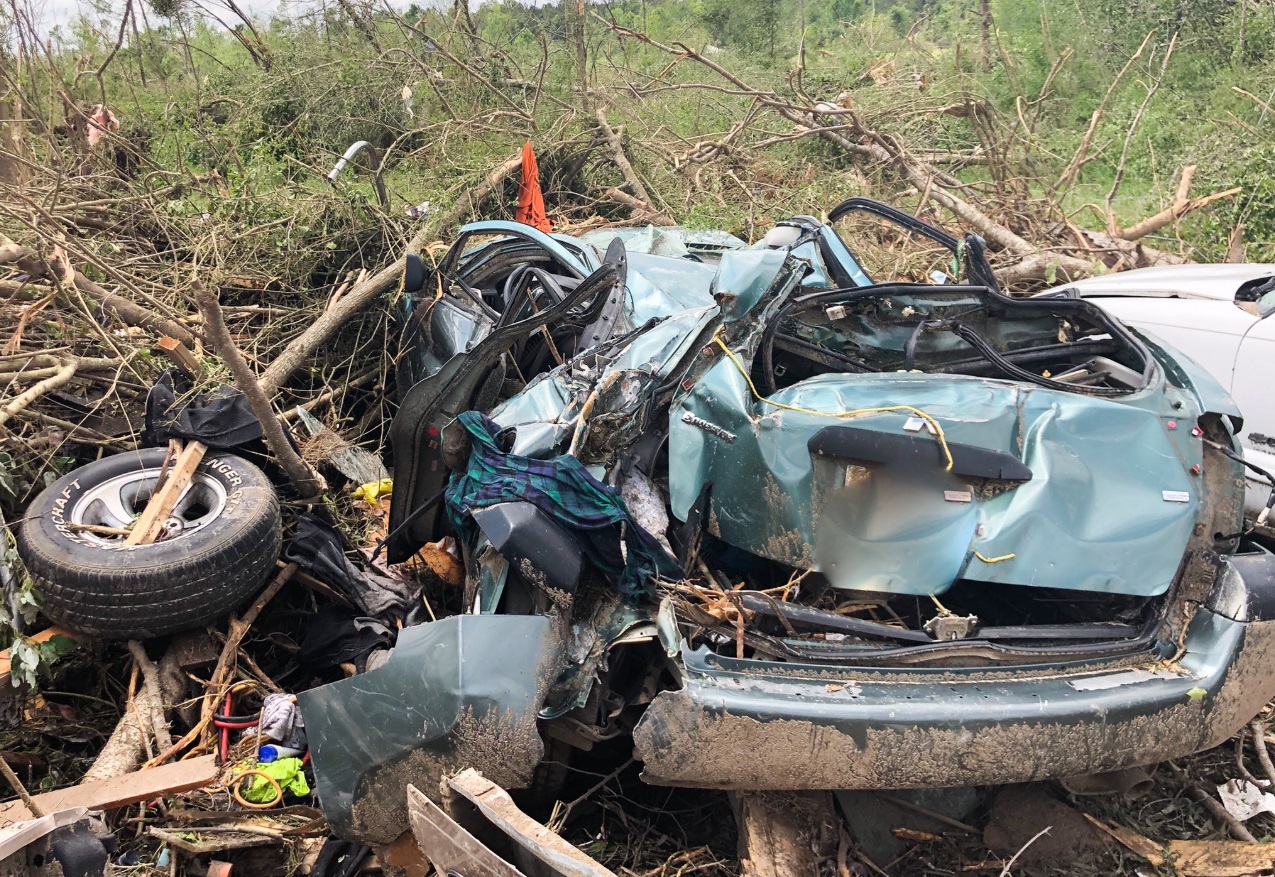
730,500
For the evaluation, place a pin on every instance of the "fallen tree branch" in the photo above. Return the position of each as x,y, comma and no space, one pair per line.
21,790
124,750
126,310
642,211
154,691
622,161
303,478
36,391
1045,267
1181,206
235,633
366,291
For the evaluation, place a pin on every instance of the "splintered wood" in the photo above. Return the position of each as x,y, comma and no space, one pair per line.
181,776
150,524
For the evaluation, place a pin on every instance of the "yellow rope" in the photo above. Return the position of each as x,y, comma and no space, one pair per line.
859,412
1009,556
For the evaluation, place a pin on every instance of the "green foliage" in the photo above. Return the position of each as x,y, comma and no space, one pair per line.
18,609
271,134
751,27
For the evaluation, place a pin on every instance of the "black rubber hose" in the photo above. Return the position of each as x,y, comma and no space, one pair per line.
909,349
218,717
993,356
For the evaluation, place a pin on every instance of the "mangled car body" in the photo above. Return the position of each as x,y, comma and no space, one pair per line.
734,500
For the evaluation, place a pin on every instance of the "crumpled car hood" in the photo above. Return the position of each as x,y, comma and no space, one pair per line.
1109,507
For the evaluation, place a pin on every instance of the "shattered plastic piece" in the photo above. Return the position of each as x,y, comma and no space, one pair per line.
371,491
1243,800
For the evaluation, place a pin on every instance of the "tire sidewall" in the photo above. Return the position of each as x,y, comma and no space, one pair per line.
48,517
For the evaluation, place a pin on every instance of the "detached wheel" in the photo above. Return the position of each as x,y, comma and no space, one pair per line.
217,548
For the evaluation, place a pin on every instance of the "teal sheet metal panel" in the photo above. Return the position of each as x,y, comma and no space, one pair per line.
743,278
1109,508
490,669
659,286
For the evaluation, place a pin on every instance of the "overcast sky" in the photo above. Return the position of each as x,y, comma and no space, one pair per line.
55,12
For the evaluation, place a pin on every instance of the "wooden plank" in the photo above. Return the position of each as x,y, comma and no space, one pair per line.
546,847
180,776
180,355
150,522
449,846
42,637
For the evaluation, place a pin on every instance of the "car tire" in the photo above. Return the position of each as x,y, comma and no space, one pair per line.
223,541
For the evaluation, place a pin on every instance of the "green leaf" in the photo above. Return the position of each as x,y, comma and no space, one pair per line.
1196,693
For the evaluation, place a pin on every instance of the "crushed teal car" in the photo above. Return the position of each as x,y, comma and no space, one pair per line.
750,499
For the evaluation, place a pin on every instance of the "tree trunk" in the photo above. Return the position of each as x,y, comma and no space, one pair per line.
985,28
574,14
144,719
785,834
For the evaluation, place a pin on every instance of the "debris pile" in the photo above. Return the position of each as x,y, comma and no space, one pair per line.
590,544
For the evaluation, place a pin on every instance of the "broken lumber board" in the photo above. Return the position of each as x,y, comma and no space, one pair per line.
180,355
448,845
6,666
1195,858
180,776
150,522
543,845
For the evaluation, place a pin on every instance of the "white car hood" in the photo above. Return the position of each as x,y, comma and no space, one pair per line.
1218,282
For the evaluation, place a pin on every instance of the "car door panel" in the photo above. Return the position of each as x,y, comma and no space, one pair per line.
1251,390
1207,331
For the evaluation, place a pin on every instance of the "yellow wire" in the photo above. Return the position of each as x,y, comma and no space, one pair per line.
1009,556
859,412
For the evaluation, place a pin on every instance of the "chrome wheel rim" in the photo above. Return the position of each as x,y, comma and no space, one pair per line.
115,504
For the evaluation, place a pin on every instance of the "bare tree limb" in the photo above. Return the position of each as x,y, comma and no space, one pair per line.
1181,206
1128,137
621,160
366,291
303,478
36,391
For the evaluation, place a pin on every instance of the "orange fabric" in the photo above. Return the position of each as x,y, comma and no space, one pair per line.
531,203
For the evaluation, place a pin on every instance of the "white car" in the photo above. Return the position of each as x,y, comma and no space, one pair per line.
1221,317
